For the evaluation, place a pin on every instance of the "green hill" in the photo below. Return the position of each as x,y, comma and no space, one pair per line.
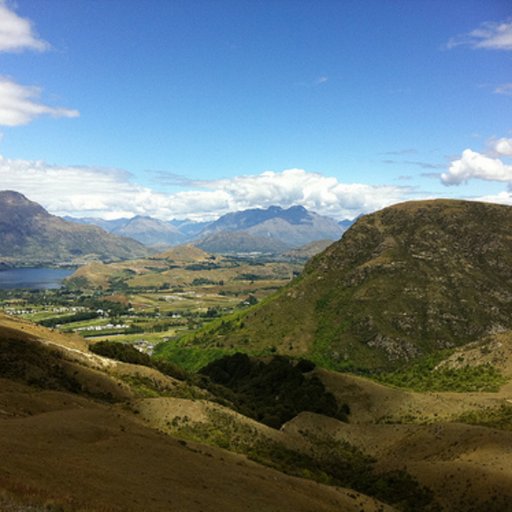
402,283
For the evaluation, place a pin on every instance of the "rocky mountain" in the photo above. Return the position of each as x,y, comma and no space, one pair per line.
290,228
346,223
30,235
404,282
246,219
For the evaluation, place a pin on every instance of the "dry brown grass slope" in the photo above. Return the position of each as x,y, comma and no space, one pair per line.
93,458
468,467
371,402
73,433
71,443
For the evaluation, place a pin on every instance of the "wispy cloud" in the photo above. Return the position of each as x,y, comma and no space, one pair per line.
436,175
167,178
19,104
321,80
416,163
16,33
505,89
401,152
424,165
491,35
86,192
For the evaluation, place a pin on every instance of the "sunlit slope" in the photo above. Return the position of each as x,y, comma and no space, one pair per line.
457,444
403,282
83,432
72,438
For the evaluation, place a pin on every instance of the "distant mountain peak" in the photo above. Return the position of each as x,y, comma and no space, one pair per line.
13,198
18,208
142,217
246,219
6,195
290,227
28,233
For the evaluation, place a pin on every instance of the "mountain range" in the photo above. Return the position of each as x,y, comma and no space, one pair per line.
149,231
271,230
29,235
239,242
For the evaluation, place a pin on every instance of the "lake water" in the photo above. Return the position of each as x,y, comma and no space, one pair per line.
33,278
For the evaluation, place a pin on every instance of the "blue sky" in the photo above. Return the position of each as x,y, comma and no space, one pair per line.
195,108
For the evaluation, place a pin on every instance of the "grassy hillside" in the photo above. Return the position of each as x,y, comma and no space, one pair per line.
84,432
76,436
402,283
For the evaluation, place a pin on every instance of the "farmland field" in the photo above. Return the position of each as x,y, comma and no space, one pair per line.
147,301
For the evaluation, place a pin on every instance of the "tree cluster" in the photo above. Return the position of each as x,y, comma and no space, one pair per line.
271,392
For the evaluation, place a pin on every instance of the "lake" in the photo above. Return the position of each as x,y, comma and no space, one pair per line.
33,278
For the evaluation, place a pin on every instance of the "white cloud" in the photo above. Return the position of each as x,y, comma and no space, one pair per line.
473,165
500,198
316,192
80,191
16,33
490,35
502,147
83,192
19,105
505,89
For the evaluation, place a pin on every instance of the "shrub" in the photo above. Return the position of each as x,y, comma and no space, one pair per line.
129,354
426,375
121,351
